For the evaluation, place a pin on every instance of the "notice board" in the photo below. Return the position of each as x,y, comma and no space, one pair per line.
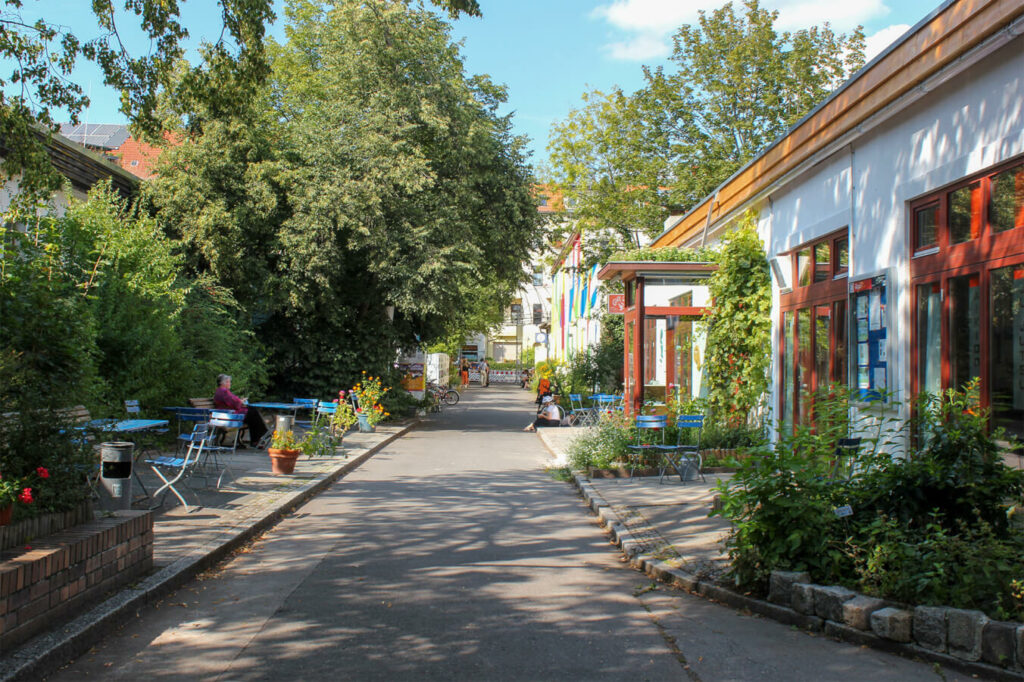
869,304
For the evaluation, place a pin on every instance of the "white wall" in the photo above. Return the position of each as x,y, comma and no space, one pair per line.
963,127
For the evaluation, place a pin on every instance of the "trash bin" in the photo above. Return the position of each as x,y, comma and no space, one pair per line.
284,423
116,475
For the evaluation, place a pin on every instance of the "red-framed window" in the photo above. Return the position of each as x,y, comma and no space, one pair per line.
967,276
814,321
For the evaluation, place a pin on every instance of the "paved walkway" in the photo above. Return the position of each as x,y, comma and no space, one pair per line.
451,555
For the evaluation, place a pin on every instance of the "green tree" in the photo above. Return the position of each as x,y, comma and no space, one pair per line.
374,175
734,84
737,85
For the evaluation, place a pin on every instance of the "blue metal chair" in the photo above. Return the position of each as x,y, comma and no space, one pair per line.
650,430
171,470
684,457
579,415
306,404
229,425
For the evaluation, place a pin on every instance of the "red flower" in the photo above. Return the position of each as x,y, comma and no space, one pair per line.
26,495
42,472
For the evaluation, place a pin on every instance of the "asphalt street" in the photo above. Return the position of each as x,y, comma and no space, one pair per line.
451,554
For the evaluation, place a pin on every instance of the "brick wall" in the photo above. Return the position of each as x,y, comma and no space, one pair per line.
63,573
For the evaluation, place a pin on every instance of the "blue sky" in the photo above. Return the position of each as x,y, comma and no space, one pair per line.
549,52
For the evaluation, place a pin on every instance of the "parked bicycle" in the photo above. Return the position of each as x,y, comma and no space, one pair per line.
442,394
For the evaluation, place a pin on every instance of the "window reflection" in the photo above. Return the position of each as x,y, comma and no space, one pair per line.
1006,206
965,213
843,255
964,327
929,338
926,231
1007,348
822,262
803,267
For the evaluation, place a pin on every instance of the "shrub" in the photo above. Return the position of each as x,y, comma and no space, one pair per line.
603,445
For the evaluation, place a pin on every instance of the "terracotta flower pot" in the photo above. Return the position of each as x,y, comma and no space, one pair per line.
5,514
283,461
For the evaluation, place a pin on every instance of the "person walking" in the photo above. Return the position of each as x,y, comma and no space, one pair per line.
464,374
485,373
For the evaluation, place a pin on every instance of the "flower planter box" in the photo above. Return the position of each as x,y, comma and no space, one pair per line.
23,532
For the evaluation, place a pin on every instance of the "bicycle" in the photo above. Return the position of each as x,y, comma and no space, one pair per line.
443,394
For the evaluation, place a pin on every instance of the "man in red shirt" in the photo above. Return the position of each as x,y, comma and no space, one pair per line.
224,399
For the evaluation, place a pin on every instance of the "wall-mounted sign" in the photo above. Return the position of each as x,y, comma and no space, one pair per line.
870,356
540,337
616,304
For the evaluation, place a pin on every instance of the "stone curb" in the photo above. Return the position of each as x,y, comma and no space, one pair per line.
669,574
46,652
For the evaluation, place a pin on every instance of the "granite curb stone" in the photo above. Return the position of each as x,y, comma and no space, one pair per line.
891,629
930,627
963,633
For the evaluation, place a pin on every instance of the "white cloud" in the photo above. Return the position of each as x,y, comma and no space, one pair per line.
642,28
640,47
875,43
798,14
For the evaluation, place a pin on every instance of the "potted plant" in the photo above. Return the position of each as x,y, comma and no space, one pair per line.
283,451
369,412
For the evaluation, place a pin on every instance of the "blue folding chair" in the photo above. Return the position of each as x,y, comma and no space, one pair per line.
306,404
650,430
684,457
171,470
227,425
579,415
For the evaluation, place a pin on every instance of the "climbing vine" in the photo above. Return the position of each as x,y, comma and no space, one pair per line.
739,326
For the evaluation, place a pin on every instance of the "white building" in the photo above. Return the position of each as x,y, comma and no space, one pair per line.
893,216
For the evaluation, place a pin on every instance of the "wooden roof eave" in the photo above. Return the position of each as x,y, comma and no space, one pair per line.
630,270
937,41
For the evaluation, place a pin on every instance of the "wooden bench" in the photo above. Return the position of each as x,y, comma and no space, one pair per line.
77,415
204,403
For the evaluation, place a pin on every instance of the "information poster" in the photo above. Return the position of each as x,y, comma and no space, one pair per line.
869,301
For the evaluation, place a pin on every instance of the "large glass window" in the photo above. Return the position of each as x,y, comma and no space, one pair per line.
788,394
926,231
1007,348
803,267
814,344
929,338
1006,205
803,368
822,262
964,329
965,213
839,353
822,345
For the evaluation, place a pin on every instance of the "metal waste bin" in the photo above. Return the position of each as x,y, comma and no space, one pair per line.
116,475
284,423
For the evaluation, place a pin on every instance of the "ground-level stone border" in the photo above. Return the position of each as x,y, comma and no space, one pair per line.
49,651
925,633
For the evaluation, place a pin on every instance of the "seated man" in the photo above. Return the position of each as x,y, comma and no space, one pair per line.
224,399
549,415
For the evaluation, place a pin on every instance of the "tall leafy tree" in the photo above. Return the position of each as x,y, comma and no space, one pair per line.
375,176
735,83
738,84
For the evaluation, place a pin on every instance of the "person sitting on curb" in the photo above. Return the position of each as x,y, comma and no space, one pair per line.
549,415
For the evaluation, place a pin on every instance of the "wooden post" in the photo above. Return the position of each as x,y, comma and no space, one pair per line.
637,399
